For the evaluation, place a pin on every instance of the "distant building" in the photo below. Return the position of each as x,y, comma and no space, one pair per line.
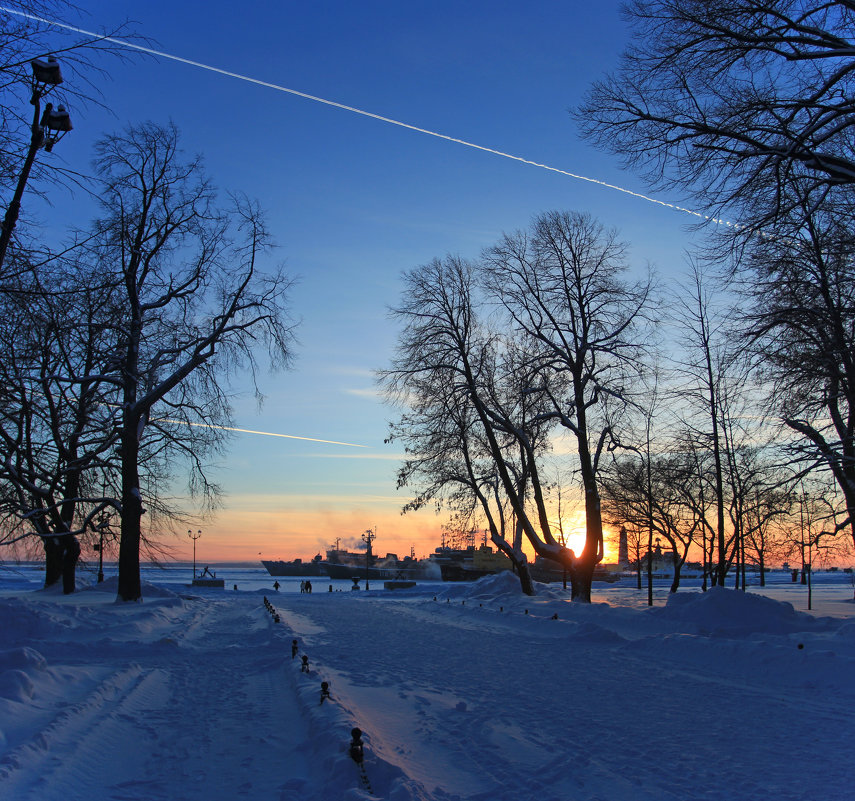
662,561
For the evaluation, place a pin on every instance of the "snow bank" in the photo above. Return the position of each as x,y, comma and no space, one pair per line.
721,611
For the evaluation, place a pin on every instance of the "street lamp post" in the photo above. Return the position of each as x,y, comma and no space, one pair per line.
194,537
103,523
46,130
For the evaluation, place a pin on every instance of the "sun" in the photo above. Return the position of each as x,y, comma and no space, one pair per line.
573,526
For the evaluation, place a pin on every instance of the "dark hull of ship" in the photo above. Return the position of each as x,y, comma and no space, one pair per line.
456,571
376,572
280,568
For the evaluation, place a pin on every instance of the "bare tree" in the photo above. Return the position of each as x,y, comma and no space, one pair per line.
445,359
567,354
55,423
193,304
648,497
766,487
801,324
561,290
734,100
705,375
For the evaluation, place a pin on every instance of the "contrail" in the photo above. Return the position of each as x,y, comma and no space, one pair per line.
262,433
354,110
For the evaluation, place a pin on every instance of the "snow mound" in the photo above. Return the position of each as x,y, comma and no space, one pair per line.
149,590
22,659
592,633
728,611
497,585
16,685
26,622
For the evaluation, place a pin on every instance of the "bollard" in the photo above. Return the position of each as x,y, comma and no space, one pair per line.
526,611
357,752
294,648
325,691
275,618
304,668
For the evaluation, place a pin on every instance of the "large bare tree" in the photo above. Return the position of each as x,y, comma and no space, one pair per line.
55,416
560,286
801,323
192,303
568,352
447,374
733,100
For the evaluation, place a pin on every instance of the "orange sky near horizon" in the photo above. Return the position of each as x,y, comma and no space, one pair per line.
253,531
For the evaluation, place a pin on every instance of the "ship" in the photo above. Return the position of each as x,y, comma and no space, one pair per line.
343,564
296,567
547,571
444,564
470,563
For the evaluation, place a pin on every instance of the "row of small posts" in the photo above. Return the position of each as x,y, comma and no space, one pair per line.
356,749
501,608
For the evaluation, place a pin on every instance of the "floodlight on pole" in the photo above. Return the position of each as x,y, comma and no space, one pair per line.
46,130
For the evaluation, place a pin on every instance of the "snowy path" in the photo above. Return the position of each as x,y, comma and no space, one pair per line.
479,704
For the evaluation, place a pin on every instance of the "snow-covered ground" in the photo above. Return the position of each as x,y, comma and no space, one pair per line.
468,691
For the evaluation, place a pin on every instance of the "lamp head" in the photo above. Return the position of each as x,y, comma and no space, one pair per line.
46,75
56,123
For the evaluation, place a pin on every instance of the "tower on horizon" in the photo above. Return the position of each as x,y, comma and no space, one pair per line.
623,549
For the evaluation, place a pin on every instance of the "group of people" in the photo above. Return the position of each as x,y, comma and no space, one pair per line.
305,586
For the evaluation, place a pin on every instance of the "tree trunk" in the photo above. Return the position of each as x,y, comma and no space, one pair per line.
62,552
582,576
71,553
678,565
526,584
53,560
130,588
521,566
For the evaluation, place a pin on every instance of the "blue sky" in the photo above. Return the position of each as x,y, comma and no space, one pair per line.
353,202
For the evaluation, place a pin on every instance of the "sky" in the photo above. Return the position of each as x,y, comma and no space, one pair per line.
354,201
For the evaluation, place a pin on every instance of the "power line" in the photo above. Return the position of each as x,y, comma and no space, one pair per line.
363,112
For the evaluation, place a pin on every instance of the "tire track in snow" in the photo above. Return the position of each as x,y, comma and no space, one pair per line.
72,750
